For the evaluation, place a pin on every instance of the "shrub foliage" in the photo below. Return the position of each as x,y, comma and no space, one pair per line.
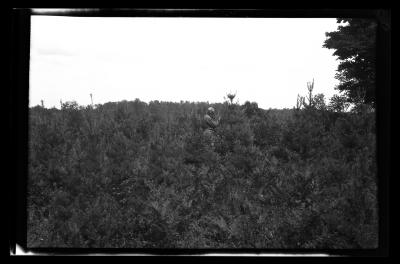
132,174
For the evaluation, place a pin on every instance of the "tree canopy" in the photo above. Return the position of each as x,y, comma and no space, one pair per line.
354,44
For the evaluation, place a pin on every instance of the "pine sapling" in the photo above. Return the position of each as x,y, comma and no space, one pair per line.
231,96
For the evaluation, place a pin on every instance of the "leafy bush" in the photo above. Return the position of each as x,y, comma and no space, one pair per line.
132,174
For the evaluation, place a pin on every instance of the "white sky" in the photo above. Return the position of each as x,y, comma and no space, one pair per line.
266,60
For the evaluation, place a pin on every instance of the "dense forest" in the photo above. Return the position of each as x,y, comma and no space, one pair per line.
141,175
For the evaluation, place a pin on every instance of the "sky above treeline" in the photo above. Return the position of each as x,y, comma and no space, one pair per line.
263,60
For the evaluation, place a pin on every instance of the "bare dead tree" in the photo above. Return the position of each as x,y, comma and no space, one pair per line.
310,87
300,102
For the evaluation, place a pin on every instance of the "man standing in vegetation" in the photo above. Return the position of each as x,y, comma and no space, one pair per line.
212,123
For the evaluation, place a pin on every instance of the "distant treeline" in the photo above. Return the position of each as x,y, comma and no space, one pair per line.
132,174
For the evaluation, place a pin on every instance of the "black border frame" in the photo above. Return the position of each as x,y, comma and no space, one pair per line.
18,120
